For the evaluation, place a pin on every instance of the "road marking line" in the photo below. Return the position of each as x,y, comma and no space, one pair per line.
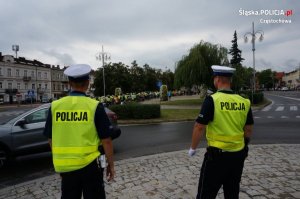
280,108
266,108
298,116
270,117
256,117
293,108
284,117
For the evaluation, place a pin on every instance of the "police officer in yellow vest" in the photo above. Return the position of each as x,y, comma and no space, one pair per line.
228,120
76,126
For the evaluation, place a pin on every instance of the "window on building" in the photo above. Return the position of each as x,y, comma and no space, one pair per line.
18,86
45,75
9,85
46,86
53,86
9,72
0,71
0,84
26,86
17,72
39,75
32,73
63,87
33,86
25,73
40,85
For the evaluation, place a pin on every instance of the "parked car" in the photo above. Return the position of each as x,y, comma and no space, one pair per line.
23,134
284,88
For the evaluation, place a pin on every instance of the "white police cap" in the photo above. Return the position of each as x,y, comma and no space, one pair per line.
222,71
78,72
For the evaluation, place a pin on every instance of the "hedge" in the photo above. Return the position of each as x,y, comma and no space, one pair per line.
136,111
257,96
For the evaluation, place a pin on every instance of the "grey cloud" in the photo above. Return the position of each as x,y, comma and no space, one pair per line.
63,58
43,25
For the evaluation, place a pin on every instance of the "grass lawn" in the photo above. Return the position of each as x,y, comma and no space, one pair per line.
186,102
179,114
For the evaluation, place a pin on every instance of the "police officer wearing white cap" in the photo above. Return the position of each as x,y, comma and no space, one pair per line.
76,126
228,120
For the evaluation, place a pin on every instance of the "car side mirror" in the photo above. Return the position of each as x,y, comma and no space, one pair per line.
21,123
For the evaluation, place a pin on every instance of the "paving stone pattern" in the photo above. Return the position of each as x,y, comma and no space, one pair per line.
271,171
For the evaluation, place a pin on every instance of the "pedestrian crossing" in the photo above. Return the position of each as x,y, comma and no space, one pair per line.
279,111
291,107
280,108
280,117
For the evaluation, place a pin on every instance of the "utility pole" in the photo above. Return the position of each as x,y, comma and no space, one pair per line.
104,56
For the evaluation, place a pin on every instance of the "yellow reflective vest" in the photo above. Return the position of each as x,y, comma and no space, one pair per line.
75,139
226,131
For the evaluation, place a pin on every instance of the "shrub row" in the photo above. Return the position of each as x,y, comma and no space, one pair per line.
136,111
257,96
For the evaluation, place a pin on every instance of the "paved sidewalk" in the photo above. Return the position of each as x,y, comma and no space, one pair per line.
271,171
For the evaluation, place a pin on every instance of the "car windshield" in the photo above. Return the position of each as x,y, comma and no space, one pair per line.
12,119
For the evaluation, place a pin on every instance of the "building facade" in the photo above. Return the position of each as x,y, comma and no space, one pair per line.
59,81
23,80
26,81
292,79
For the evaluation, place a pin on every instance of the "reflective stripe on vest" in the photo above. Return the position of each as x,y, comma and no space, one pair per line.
75,139
226,131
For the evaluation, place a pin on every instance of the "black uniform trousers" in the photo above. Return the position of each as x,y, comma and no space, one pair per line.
221,168
87,181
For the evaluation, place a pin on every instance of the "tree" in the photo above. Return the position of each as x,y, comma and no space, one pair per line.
130,79
247,75
195,68
235,52
238,79
116,75
167,78
266,78
150,78
137,77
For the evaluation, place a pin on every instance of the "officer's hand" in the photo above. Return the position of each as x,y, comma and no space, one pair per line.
110,173
192,152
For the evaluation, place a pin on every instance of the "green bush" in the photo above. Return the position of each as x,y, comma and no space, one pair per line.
136,111
257,96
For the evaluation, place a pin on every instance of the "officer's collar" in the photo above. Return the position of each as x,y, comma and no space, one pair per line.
77,93
228,91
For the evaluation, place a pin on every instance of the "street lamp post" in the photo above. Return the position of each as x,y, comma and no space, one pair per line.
104,56
253,38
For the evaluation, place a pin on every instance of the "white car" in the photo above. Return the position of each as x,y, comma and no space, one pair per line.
284,88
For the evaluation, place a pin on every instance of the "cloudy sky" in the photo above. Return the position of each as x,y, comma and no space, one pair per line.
156,32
